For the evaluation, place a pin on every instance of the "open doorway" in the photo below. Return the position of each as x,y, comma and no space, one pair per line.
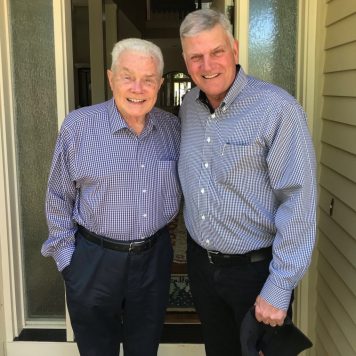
96,26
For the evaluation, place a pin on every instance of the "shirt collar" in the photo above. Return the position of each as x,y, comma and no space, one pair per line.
117,122
237,86
151,122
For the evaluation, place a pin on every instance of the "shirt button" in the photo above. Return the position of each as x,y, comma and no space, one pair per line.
208,139
203,217
206,165
144,191
144,215
142,166
213,116
202,190
207,241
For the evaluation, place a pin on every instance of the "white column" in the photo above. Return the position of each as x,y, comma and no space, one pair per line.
97,65
111,34
241,30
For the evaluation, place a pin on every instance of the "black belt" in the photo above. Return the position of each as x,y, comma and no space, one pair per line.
123,246
221,259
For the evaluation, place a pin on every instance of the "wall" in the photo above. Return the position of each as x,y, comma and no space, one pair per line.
220,5
5,103
336,267
126,28
2,316
172,54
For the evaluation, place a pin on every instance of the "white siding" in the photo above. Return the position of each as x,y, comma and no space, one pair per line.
335,321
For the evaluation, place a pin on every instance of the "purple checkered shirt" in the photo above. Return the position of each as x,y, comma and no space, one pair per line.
109,180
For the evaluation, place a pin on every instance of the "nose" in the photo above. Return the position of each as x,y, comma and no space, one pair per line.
137,86
207,63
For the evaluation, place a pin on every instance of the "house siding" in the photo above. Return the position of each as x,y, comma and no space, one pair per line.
335,312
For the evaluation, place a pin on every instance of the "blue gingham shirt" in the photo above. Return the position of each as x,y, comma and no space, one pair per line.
247,172
109,180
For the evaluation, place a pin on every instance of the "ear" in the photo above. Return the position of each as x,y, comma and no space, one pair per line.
161,82
184,57
235,49
110,75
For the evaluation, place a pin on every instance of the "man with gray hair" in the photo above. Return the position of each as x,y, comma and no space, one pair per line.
112,190
247,170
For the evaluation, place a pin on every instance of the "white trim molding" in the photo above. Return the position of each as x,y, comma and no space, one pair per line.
306,56
308,94
241,27
10,249
62,24
20,348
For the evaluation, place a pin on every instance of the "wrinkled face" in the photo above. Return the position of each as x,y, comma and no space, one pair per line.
135,83
211,61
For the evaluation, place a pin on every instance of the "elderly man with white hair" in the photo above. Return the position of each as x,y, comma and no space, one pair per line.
112,190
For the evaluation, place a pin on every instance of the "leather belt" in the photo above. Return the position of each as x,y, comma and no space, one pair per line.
123,246
226,259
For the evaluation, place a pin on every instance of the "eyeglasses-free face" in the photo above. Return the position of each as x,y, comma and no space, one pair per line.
135,83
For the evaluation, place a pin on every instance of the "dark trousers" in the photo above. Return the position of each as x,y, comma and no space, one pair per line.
115,297
222,296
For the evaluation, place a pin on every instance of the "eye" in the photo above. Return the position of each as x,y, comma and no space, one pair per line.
218,52
126,78
195,58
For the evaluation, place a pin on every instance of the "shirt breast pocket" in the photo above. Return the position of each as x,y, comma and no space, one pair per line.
234,163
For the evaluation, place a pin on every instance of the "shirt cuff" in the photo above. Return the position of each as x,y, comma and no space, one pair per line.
63,257
276,296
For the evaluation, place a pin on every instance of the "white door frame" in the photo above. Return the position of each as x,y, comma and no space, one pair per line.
306,94
11,289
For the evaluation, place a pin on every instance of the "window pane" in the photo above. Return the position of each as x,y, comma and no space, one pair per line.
272,41
36,130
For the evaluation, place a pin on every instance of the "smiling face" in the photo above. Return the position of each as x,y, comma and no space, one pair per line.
135,83
211,61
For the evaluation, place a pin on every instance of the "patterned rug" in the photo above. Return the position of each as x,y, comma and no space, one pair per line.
180,298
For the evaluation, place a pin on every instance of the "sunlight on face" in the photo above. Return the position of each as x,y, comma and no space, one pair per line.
211,61
135,83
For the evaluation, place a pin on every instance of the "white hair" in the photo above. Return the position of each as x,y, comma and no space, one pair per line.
203,20
138,45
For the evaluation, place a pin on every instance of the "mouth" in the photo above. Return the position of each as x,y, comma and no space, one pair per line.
211,76
136,101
